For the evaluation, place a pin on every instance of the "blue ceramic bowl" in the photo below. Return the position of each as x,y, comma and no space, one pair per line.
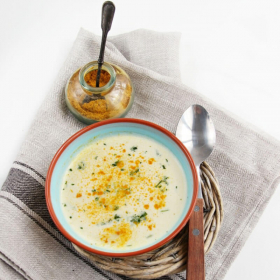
78,141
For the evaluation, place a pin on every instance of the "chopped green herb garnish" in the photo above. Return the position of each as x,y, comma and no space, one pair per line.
133,148
138,218
135,219
64,205
107,191
164,180
97,198
92,173
104,144
134,172
93,190
163,167
65,182
115,163
72,184
129,154
116,207
81,227
143,215
117,217
128,245
164,210
122,169
176,187
81,165
166,160
70,169
70,217
149,236
96,157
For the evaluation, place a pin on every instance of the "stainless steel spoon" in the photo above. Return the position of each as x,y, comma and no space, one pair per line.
197,132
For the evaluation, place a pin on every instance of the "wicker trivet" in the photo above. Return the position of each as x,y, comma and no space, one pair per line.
172,257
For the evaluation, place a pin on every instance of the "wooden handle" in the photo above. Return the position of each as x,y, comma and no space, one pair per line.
195,266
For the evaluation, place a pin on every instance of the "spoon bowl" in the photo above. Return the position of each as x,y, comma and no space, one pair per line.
197,132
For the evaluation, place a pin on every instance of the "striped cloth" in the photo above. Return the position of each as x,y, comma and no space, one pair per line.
246,161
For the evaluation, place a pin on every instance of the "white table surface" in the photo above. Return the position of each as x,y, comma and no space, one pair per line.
230,52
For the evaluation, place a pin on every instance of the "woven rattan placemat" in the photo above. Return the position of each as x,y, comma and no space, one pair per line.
172,257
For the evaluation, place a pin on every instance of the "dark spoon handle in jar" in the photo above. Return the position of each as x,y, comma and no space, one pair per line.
108,11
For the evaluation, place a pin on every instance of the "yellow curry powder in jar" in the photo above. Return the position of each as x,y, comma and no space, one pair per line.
112,99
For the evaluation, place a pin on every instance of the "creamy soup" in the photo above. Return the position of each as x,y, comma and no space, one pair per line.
123,192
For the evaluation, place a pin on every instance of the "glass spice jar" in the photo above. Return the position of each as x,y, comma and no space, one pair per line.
90,104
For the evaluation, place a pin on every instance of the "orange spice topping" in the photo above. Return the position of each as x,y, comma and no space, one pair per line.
120,164
120,233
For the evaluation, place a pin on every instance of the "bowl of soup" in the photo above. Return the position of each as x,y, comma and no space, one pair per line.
121,187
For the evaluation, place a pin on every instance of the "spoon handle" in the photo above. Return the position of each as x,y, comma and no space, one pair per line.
108,11
195,266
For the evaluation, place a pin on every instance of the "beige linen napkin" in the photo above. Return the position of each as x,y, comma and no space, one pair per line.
246,162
